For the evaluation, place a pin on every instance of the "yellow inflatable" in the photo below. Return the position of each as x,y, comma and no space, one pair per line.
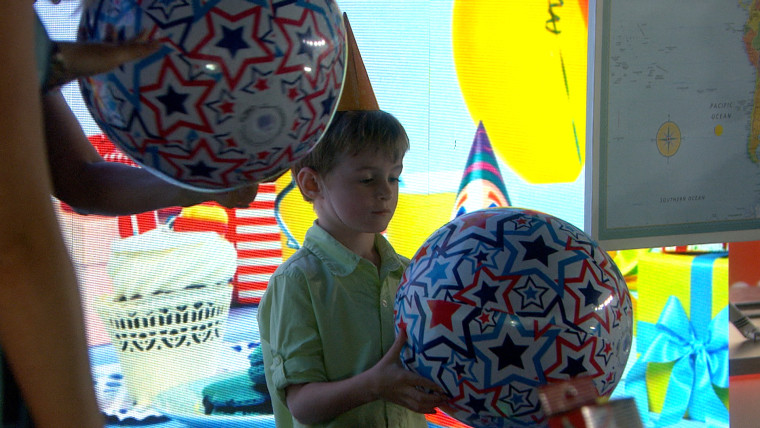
417,216
521,67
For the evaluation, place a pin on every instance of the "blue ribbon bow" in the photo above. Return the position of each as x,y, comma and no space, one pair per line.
700,356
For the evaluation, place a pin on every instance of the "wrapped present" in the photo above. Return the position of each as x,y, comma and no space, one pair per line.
628,263
635,305
682,338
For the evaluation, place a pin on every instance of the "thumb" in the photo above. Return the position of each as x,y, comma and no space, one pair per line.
71,60
394,352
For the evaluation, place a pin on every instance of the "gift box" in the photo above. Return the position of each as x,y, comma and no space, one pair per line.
682,338
627,262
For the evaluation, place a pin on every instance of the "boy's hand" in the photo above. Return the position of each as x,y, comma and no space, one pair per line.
401,386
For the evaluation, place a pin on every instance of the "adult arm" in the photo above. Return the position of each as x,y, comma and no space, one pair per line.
41,324
82,179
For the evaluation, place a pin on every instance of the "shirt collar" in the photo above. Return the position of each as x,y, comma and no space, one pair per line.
340,260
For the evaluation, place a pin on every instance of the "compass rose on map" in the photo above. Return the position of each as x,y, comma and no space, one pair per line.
668,138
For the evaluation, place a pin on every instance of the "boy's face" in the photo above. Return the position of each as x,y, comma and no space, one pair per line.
360,194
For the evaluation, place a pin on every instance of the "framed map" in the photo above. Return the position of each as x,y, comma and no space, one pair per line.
673,122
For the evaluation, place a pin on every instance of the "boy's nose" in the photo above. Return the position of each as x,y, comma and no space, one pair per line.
384,191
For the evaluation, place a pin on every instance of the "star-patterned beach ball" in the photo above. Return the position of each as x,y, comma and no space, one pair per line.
500,301
240,90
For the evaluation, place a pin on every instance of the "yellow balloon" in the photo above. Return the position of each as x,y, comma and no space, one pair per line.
521,67
295,214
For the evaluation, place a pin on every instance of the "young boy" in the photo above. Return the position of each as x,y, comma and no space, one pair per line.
326,319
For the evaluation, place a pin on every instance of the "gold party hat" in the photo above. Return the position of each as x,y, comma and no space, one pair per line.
357,90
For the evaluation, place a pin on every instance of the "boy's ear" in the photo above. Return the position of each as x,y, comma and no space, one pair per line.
308,182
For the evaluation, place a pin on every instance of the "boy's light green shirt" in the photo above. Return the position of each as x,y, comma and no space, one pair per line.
327,315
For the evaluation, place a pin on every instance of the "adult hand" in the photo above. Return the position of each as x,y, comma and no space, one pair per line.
401,386
71,60
240,197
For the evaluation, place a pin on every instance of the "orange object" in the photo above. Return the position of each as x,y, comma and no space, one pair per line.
205,217
357,90
183,224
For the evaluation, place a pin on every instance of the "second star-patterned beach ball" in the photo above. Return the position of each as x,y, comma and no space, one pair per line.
500,301
239,91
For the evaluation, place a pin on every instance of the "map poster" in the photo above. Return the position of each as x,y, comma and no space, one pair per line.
674,120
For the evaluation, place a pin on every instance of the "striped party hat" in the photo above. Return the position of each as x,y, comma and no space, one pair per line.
482,185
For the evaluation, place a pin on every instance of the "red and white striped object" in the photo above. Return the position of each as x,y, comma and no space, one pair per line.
108,151
136,224
697,248
253,231
256,236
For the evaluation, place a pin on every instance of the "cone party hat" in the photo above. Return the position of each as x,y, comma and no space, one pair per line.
482,185
357,90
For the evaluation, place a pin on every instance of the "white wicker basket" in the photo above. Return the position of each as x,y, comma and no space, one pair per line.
167,340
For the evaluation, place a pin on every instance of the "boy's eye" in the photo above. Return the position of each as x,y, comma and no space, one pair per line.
369,180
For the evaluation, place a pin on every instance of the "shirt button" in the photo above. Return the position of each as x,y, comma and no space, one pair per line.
385,303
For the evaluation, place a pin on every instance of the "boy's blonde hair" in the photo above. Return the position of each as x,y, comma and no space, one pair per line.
350,133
